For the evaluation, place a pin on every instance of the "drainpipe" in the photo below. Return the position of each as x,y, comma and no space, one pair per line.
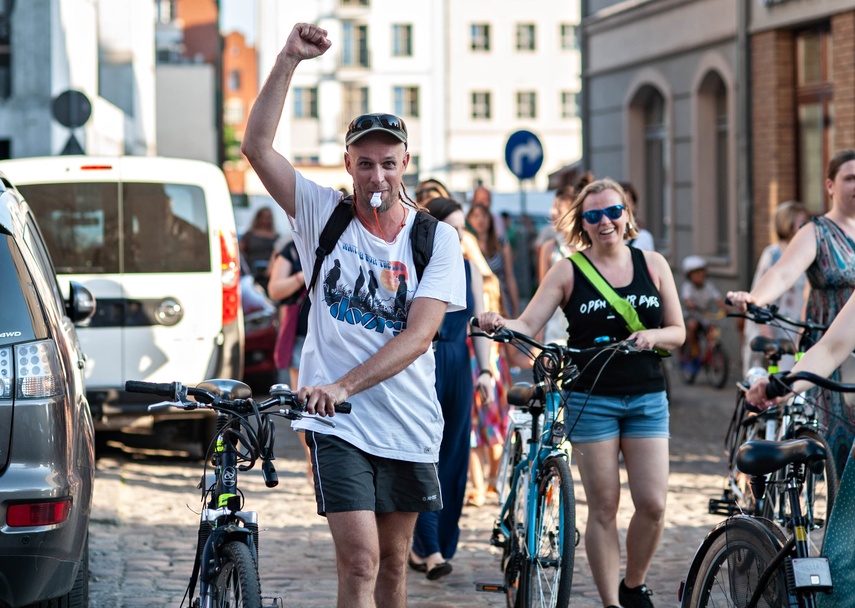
745,173
584,97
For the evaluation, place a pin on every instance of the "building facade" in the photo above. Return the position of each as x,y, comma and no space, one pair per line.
463,74
48,47
718,110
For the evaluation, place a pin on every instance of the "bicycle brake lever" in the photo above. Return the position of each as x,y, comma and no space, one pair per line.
319,419
165,405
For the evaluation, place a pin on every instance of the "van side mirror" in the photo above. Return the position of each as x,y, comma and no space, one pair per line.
81,304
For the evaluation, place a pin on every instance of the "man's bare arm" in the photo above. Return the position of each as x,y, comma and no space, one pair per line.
275,172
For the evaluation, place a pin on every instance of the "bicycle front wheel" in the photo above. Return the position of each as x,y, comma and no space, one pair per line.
548,574
731,568
236,584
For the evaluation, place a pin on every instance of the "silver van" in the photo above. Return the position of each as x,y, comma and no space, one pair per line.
154,240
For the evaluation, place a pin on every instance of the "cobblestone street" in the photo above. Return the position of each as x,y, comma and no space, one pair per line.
144,523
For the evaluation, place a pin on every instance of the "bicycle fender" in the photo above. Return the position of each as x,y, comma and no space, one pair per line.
219,537
776,538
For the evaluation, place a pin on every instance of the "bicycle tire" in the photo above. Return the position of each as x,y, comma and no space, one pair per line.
817,495
730,568
748,428
717,366
236,584
512,454
548,575
513,557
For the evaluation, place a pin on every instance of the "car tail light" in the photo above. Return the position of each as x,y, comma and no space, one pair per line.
37,370
38,514
230,276
7,377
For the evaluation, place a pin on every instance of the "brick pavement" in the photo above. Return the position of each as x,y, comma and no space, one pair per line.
143,528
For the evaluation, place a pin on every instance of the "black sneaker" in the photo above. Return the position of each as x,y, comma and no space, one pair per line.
637,597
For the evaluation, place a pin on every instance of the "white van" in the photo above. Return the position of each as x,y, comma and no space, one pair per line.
154,240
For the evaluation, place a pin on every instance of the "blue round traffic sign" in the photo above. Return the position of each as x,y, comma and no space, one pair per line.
524,154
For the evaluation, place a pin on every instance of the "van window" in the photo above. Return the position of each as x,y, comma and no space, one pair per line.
79,224
164,226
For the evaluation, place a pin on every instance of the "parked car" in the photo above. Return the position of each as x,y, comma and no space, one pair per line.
154,239
47,447
261,327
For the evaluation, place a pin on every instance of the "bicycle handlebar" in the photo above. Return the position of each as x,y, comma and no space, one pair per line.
765,315
504,334
780,383
281,396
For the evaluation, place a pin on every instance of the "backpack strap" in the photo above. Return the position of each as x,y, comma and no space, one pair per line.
331,233
619,304
421,239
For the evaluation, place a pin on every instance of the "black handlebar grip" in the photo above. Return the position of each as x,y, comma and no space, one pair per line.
343,408
473,321
776,387
150,388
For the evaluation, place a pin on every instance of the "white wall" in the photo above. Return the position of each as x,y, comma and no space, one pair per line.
186,124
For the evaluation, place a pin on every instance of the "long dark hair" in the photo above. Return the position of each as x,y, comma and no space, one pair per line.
492,236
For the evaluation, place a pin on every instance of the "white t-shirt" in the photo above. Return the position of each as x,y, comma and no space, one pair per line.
359,303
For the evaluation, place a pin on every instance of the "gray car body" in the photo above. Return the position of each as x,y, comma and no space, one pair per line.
46,444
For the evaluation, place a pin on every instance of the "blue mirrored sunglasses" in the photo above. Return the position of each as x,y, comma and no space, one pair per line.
595,215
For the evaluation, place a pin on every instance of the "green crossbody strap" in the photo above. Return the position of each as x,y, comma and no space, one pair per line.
621,305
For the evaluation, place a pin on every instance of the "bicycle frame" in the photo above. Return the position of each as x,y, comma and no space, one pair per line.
538,451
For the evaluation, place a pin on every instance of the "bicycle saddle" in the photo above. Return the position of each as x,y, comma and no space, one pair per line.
759,456
762,344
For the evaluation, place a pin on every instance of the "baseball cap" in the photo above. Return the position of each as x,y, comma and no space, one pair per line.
370,123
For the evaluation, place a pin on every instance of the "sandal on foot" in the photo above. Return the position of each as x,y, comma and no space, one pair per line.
438,571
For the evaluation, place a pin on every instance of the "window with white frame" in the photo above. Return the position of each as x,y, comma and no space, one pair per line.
526,37
526,104
355,101
354,46
402,40
569,104
479,37
481,106
406,101
305,102
567,36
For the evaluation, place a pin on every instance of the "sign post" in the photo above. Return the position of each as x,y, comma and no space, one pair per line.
524,157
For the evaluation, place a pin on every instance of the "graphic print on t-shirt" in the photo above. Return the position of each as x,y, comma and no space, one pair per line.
376,298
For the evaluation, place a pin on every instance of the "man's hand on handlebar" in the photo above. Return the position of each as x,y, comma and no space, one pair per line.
321,400
766,393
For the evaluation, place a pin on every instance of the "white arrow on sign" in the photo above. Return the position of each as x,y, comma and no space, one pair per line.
531,151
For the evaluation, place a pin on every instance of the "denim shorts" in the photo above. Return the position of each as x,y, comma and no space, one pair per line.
605,417
348,479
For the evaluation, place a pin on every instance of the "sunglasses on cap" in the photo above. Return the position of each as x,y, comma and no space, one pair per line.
595,215
389,123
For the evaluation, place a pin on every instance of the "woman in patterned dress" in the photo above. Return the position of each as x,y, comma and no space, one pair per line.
824,248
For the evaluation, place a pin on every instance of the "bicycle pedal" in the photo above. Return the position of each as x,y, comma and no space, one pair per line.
722,506
491,587
272,602
498,541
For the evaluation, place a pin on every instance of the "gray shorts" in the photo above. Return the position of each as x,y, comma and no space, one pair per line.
348,479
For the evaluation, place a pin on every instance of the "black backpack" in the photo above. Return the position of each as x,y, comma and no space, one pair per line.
421,237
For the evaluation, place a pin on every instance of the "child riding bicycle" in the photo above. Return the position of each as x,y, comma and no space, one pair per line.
701,301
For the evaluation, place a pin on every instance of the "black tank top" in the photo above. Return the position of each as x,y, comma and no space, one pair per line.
591,317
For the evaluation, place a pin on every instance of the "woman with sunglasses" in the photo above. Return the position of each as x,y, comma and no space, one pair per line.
618,405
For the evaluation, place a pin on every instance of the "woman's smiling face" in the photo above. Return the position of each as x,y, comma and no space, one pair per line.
606,230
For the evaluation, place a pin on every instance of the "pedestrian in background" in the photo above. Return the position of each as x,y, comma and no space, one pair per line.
643,240
437,532
789,217
258,244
